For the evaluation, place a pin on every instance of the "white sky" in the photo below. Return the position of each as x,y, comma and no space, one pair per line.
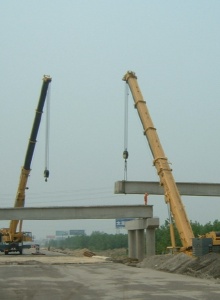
87,47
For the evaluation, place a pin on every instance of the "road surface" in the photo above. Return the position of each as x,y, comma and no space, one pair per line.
26,277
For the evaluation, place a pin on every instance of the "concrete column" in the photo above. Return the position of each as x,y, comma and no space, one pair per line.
152,224
140,244
150,242
131,243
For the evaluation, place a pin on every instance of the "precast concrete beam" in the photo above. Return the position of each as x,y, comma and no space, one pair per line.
77,212
154,188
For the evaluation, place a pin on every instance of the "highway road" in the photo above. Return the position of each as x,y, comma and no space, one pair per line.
36,277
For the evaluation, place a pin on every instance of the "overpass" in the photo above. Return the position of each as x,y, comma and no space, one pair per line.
142,212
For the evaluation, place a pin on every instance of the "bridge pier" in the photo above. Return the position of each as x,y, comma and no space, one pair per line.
136,237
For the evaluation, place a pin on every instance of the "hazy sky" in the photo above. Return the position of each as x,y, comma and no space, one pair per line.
87,47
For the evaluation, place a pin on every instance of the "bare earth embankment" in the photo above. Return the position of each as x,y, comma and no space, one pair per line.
207,266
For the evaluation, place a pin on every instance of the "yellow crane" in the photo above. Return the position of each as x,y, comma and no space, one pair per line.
208,242
12,238
172,196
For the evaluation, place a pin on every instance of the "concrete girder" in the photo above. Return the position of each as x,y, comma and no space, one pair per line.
154,188
77,212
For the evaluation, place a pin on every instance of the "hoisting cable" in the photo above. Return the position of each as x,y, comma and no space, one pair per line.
46,170
125,153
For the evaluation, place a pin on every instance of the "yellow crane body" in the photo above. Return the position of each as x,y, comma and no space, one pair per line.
171,193
13,237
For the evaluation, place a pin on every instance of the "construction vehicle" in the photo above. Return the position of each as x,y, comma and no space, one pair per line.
172,196
12,238
209,242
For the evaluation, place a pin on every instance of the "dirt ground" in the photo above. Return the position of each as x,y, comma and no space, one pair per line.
207,266
114,254
64,277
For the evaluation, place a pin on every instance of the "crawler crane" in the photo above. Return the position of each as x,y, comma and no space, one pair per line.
11,238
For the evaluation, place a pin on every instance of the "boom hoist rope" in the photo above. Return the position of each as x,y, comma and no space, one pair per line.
46,170
125,153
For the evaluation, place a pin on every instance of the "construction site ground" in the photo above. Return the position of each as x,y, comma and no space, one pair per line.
80,275
206,267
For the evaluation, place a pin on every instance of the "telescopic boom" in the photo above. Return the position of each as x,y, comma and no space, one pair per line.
172,196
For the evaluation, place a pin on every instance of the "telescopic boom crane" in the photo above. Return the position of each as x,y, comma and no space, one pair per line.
10,235
172,196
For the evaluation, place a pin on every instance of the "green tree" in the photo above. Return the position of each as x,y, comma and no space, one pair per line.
163,239
163,233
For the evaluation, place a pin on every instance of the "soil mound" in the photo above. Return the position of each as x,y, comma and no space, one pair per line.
207,266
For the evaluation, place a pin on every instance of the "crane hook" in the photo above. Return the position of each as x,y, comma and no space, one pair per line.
46,174
125,154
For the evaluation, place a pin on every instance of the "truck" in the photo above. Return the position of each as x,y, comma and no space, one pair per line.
177,213
13,239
